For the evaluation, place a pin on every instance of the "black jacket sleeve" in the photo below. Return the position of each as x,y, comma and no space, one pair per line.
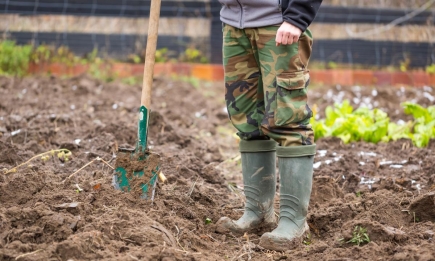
300,13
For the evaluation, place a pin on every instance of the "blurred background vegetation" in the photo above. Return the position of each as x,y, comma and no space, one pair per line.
397,35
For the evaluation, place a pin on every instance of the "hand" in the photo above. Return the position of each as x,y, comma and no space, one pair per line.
287,34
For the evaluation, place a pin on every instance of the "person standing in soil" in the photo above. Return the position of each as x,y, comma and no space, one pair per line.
266,49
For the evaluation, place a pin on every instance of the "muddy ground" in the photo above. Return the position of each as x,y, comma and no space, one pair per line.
44,215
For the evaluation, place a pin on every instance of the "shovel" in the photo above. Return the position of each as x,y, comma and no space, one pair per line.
136,170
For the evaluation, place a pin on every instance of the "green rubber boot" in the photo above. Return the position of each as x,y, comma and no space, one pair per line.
258,169
296,177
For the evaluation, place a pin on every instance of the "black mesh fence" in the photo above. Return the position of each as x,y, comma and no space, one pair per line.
415,47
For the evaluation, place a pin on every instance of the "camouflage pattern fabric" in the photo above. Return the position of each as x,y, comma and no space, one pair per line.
266,85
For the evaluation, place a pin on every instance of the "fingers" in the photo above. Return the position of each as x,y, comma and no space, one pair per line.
278,38
287,34
282,37
285,38
294,39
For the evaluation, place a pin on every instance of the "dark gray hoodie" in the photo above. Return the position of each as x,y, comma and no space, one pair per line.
259,13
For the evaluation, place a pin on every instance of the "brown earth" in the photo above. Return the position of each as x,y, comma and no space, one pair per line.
44,215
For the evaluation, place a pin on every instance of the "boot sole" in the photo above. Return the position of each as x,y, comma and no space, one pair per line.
226,226
271,242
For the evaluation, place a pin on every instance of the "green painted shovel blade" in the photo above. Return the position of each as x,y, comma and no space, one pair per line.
137,169
122,181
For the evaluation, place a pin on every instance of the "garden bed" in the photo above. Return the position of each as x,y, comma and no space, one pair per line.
384,188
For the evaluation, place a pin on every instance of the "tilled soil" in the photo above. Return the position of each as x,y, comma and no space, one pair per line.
49,211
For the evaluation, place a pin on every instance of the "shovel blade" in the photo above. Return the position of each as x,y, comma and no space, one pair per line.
136,173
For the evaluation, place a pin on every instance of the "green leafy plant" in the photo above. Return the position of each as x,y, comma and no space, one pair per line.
193,55
14,59
431,69
308,240
404,65
195,82
42,53
424,126
208,221
135,58
64,55
99,69
349,125
92,56
162,55
132,80
359,236
332,65
374,125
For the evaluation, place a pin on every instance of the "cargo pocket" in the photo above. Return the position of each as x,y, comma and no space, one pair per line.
291,99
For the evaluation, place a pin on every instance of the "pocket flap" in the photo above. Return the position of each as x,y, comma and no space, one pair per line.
293,81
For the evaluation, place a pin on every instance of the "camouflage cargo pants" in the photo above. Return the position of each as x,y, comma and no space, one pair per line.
266,85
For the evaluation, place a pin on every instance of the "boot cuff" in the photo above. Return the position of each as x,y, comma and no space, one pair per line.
257,145
295,151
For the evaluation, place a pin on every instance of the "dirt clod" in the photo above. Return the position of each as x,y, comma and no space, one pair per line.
424,207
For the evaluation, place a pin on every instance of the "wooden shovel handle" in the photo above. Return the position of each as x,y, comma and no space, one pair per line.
153,28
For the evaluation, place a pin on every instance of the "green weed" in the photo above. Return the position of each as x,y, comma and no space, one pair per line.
195,82
193,55
308,240
359,236
132,80
14,59
431,69
162,55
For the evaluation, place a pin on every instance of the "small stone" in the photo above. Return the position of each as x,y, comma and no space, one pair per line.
73,224
428,234
72,208
69,205
15,118
397,234
92,155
